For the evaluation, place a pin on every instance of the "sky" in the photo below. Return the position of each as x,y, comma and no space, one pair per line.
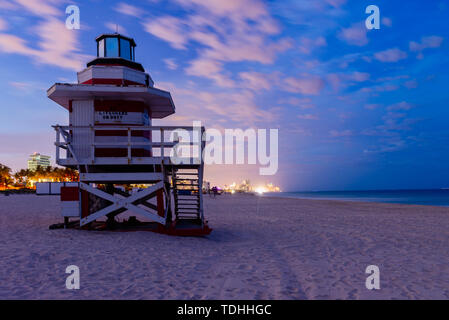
355,108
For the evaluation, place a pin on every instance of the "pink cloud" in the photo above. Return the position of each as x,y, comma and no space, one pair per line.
255,80
343,133
354,35
211,69
311,85
170,29
128,9
40,7
336,3
341,80
308,45
400,106
116,27
56,45
3,25
171,64
372,106
227,31
426,42
391,55
308,116
387,22
412,84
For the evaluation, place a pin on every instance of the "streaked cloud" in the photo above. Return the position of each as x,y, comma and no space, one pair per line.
354,35
309,85
391,55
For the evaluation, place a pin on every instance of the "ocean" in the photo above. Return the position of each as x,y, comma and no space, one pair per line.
437,197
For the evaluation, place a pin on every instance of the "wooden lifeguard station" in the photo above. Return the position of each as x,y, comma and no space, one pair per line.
111,141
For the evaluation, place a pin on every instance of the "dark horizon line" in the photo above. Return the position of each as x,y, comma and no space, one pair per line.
367,190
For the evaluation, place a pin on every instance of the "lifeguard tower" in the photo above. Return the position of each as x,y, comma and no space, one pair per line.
111,141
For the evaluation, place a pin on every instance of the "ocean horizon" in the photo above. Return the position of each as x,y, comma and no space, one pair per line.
429,197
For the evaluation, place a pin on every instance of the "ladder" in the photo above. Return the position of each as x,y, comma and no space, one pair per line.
187,194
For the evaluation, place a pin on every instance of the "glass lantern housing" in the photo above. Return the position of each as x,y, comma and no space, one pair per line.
115,46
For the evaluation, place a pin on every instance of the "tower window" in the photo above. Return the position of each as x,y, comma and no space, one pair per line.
125,49
101,48
112,47
115,46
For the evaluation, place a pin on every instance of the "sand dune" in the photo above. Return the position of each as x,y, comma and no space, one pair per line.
261,248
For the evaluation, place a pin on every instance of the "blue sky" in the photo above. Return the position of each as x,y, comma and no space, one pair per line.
355,108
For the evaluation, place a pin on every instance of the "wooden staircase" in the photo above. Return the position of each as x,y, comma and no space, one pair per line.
187,194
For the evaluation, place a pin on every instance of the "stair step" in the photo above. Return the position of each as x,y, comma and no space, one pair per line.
188,195
186,173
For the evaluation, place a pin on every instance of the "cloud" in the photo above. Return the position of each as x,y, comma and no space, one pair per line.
7,5
170,29
255,80
343,133
303,103
129,10
336,3
341,80
171,64
39,7
308,116
412,84
56,45
116,27
400,106
387,22
426,42
308,45
372,106
3,25
390,55
211,69
222,31
311,85
383,88
354,35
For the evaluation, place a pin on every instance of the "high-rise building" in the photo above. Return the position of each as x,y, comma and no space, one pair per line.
37,159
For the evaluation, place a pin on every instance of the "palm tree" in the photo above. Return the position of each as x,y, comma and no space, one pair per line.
5,176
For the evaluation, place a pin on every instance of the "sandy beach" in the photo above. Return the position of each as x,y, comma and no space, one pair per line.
261,248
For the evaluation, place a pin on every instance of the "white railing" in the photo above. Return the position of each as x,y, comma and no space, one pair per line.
162,150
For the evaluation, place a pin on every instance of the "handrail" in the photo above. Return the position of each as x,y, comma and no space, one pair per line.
67,136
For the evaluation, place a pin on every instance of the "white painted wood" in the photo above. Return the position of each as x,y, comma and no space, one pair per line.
43,188
119,202
122,176
55,187
83,138
111,72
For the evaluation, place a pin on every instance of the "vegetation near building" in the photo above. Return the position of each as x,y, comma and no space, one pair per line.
27,178
5,176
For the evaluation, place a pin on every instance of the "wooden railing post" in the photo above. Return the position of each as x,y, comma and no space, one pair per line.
129,145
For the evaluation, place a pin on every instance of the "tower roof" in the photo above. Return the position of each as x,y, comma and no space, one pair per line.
116,49
112,35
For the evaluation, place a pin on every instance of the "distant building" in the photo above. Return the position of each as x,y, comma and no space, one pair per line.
37,159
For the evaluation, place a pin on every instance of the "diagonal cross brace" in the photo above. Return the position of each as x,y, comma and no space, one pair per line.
119,203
